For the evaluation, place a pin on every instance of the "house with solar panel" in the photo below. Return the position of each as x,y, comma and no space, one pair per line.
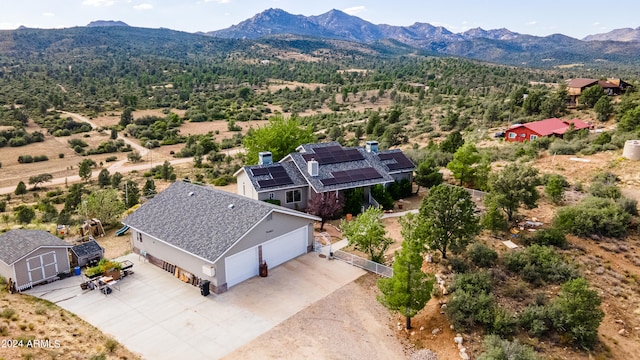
322,167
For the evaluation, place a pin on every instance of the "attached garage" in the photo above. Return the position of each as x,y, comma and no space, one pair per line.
217,236
242,266
30,257
285,247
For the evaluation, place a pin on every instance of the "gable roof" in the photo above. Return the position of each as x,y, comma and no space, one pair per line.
347,161
553,126
297,180
201,220
581,82
88,248
16,244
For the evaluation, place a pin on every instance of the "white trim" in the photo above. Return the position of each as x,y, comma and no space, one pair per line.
42,266
40,247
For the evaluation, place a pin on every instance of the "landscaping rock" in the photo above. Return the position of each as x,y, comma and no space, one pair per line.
458,339
435,331
600,270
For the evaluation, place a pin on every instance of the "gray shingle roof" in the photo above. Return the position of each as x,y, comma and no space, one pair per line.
201,220
324,171
292,171
88,248
15,244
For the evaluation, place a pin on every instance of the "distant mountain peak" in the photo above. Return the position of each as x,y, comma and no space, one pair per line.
105,23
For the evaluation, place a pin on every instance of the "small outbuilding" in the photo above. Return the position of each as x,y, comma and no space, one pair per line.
30,257
86,253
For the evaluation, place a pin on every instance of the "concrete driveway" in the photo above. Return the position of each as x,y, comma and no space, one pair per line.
159,317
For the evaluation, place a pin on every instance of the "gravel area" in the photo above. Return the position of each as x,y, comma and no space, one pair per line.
348,324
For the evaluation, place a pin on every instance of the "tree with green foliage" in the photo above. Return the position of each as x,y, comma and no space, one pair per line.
36,180
554,188
49,212
427,174
466,164
149,188
131,194
593,216
280,136
513,187
452,143
166,171
577,312
84,169
590,96
116,178
134,156
366,233
126,117
409,289
104,178
73,198
449,220
64,218
603,108
104,205
21,189
493,219
24,214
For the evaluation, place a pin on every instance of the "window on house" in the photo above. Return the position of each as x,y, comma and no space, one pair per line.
272,196
140,237
512,135
523,135
293,196
533,137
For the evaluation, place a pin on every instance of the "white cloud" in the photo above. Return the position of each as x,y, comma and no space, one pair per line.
218,1
48,14
143,7
532,22
98,3
355,10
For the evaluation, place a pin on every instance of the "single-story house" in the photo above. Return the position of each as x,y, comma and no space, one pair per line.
549,127
322,167
86,253
30,257
202,234
611,87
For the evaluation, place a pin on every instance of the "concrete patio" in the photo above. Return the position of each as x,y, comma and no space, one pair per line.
159,317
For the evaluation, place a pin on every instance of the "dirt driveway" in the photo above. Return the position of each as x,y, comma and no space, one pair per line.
159,317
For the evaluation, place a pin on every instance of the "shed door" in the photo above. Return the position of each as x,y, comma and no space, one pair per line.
41,267
285,247
241,266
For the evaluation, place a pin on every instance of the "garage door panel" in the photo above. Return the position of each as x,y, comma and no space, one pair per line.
285,247
241,266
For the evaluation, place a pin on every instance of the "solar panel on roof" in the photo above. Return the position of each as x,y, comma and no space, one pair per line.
341,177
333,155
400,161
259,171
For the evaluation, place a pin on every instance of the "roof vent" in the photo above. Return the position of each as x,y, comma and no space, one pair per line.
265,158
372,146
313,167
231,206
191,193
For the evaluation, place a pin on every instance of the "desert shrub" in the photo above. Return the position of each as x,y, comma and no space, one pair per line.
593,216
77,142
468,309
560,147
577,312
17,141
25,159
458,265
39,158
221,181
535,320
61,155
554,186
111,345
629,205
498,349
539,264
3,206
504,323
8,313
472,282
482,256
111,158
24,214
548,237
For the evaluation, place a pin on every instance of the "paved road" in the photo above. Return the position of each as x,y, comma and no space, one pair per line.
119,166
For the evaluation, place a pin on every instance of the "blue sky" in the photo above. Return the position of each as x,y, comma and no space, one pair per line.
541,17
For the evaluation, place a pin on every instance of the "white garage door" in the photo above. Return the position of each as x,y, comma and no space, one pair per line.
285,247
241,266
42,267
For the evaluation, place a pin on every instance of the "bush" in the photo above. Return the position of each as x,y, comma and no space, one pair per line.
629,205
482,256
497,348
382,196
467,309
3,206
25,159
400,189
504,323
548,237
458,265
111,158
61,156
538,264
593,216
535,320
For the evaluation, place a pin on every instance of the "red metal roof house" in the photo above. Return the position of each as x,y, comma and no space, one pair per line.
549,127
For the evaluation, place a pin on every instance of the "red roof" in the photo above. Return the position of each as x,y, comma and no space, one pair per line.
553,126
581,82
